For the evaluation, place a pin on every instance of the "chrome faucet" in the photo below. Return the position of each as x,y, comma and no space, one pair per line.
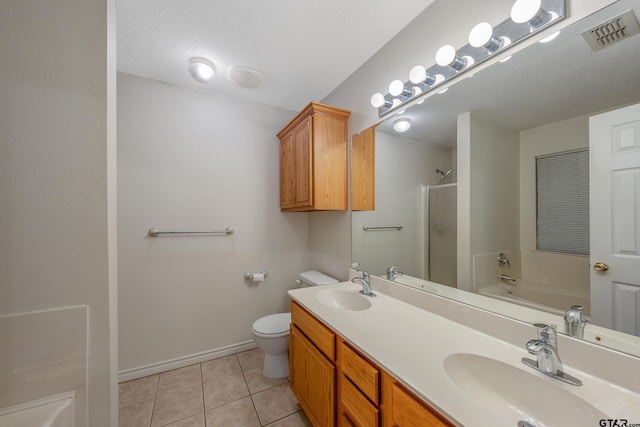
503,261
365,281
545,348
574,323
393,272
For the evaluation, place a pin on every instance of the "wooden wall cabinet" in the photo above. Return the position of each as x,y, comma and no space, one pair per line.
336,384
313,160
363,170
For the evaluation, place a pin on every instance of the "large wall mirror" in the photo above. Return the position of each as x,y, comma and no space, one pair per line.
463,198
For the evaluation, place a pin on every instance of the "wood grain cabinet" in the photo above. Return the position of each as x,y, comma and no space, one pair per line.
359,389
403,409
313,160
337,385
312,370
363,170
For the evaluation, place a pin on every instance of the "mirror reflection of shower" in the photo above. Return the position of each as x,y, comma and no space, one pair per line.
442,234
444,175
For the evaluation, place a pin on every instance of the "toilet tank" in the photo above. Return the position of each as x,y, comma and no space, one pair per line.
314,278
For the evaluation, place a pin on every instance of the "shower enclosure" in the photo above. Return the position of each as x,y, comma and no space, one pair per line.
441,215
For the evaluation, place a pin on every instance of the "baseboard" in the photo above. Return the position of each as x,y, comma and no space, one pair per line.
181,362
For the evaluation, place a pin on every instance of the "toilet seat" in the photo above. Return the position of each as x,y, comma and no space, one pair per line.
273,325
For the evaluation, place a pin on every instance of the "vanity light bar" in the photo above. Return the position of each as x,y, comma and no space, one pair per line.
527,18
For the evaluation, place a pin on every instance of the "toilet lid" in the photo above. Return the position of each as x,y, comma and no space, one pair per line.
273,324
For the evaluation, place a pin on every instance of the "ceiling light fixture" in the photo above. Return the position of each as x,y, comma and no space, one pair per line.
202,70
401,125
527,17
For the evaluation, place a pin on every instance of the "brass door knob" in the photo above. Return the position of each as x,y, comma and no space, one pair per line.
600,266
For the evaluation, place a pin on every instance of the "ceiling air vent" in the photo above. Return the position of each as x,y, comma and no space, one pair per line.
612,31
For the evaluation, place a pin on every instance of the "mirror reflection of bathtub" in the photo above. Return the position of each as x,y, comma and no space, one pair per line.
554,300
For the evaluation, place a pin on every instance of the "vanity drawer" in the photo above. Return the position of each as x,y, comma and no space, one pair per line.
361,372
355,407
319,334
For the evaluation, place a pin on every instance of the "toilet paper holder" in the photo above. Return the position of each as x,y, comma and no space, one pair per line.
249,275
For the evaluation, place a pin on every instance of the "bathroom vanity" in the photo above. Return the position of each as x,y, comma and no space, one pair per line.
411,358
331,378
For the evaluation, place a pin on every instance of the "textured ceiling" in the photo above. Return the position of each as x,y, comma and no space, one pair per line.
304,48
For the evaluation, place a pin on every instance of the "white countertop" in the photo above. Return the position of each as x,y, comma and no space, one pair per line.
412,344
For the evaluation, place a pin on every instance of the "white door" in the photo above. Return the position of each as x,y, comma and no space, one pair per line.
614,162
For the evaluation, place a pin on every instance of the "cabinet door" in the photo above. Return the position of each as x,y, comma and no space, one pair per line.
312,380
303,168
403,409
287,172
363,170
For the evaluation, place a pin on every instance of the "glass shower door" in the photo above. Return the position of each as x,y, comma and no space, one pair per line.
443,234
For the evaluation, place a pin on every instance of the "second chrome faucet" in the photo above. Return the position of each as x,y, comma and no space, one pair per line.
545,348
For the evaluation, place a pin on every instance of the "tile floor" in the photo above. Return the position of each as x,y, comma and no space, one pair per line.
225,392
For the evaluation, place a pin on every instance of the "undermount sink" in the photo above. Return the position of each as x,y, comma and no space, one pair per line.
502,388
349,300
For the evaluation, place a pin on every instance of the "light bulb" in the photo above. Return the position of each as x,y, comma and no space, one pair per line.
528,11
446,57
482,36
396,88
401,125
377,100
201,69
417,74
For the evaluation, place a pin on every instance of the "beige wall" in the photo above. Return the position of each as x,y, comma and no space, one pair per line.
568,271
197,160
54,172
488,199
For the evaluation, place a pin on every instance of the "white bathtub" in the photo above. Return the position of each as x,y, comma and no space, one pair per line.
53,411
551,300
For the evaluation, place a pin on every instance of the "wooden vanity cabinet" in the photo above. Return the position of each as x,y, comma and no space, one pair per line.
313,160
337,385
312,371
403,409
358,390
363,170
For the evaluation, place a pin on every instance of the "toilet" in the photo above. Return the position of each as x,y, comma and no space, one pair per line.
271,333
